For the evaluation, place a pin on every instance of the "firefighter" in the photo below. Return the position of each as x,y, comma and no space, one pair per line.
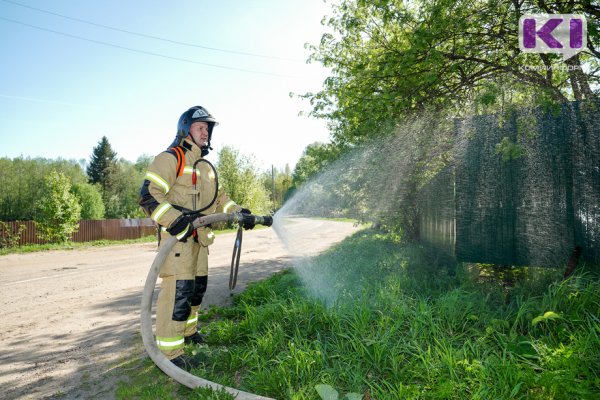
178,185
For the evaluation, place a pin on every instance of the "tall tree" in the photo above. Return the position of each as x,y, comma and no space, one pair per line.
391,58
102,164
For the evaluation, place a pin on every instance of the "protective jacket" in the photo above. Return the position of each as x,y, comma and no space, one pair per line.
168,191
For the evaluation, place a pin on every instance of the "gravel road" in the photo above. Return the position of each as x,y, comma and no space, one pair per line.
69,318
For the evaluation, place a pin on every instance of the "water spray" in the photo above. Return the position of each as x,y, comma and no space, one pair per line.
181,376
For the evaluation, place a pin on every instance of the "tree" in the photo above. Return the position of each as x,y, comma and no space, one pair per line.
120,198
239,179
398,64
59,209
22,185
119,180
314,159
277,184
142,163
90,199
102,164
395,58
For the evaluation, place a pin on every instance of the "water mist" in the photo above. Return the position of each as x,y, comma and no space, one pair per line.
369,183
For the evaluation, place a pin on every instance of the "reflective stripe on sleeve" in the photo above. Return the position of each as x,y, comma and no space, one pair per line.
188,170
154,178
171,343
160,211
227,206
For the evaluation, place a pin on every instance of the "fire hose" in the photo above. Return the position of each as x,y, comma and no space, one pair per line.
181,376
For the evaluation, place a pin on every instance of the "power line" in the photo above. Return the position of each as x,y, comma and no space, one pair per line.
152,36
143,51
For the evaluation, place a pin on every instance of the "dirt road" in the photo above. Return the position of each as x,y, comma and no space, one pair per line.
68,318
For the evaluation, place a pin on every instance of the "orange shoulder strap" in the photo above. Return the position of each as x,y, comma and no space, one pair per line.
180,159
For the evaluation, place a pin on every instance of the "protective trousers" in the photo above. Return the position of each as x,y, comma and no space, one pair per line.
184,279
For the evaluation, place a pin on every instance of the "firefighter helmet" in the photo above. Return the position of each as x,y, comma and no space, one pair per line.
194,114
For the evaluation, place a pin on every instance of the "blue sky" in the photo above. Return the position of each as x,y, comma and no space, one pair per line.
59,94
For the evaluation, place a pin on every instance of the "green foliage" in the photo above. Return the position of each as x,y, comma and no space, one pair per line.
547,316
381,319
315,158
277,183
121,196
142,163
9,237
90,199
394,61
240,180
509,150
22,182
391,58
102,164
59,209
327,392
119,180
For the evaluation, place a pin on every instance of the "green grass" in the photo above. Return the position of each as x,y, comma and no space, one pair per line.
383,319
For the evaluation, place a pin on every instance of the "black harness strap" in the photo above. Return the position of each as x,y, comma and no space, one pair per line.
235,259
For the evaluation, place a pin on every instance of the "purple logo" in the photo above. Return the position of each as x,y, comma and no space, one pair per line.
553,33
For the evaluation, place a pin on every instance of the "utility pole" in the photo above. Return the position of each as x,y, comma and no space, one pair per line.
273,183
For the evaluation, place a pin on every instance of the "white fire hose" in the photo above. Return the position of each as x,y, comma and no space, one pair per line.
181,376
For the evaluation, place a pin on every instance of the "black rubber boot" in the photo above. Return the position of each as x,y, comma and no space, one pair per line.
196,338
184,362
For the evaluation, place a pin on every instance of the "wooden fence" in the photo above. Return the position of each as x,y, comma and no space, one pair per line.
89,230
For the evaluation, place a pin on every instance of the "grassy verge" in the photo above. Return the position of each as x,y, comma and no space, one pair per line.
385,320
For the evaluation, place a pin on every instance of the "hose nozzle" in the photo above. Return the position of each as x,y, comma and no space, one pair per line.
266,220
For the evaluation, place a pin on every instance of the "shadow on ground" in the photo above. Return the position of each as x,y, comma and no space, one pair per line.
112,339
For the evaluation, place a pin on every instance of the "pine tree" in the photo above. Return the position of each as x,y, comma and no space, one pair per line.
102,163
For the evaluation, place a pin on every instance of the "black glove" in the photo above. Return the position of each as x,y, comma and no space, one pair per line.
181,228
248,222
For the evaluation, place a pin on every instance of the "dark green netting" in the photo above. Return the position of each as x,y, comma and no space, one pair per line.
437,212
523,189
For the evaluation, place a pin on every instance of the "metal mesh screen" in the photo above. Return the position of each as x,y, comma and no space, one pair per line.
525,189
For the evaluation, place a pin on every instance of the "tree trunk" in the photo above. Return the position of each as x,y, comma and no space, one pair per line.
579,81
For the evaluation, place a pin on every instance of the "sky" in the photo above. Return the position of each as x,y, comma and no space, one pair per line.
66,79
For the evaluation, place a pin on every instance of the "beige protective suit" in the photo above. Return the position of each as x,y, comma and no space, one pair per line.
167,191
